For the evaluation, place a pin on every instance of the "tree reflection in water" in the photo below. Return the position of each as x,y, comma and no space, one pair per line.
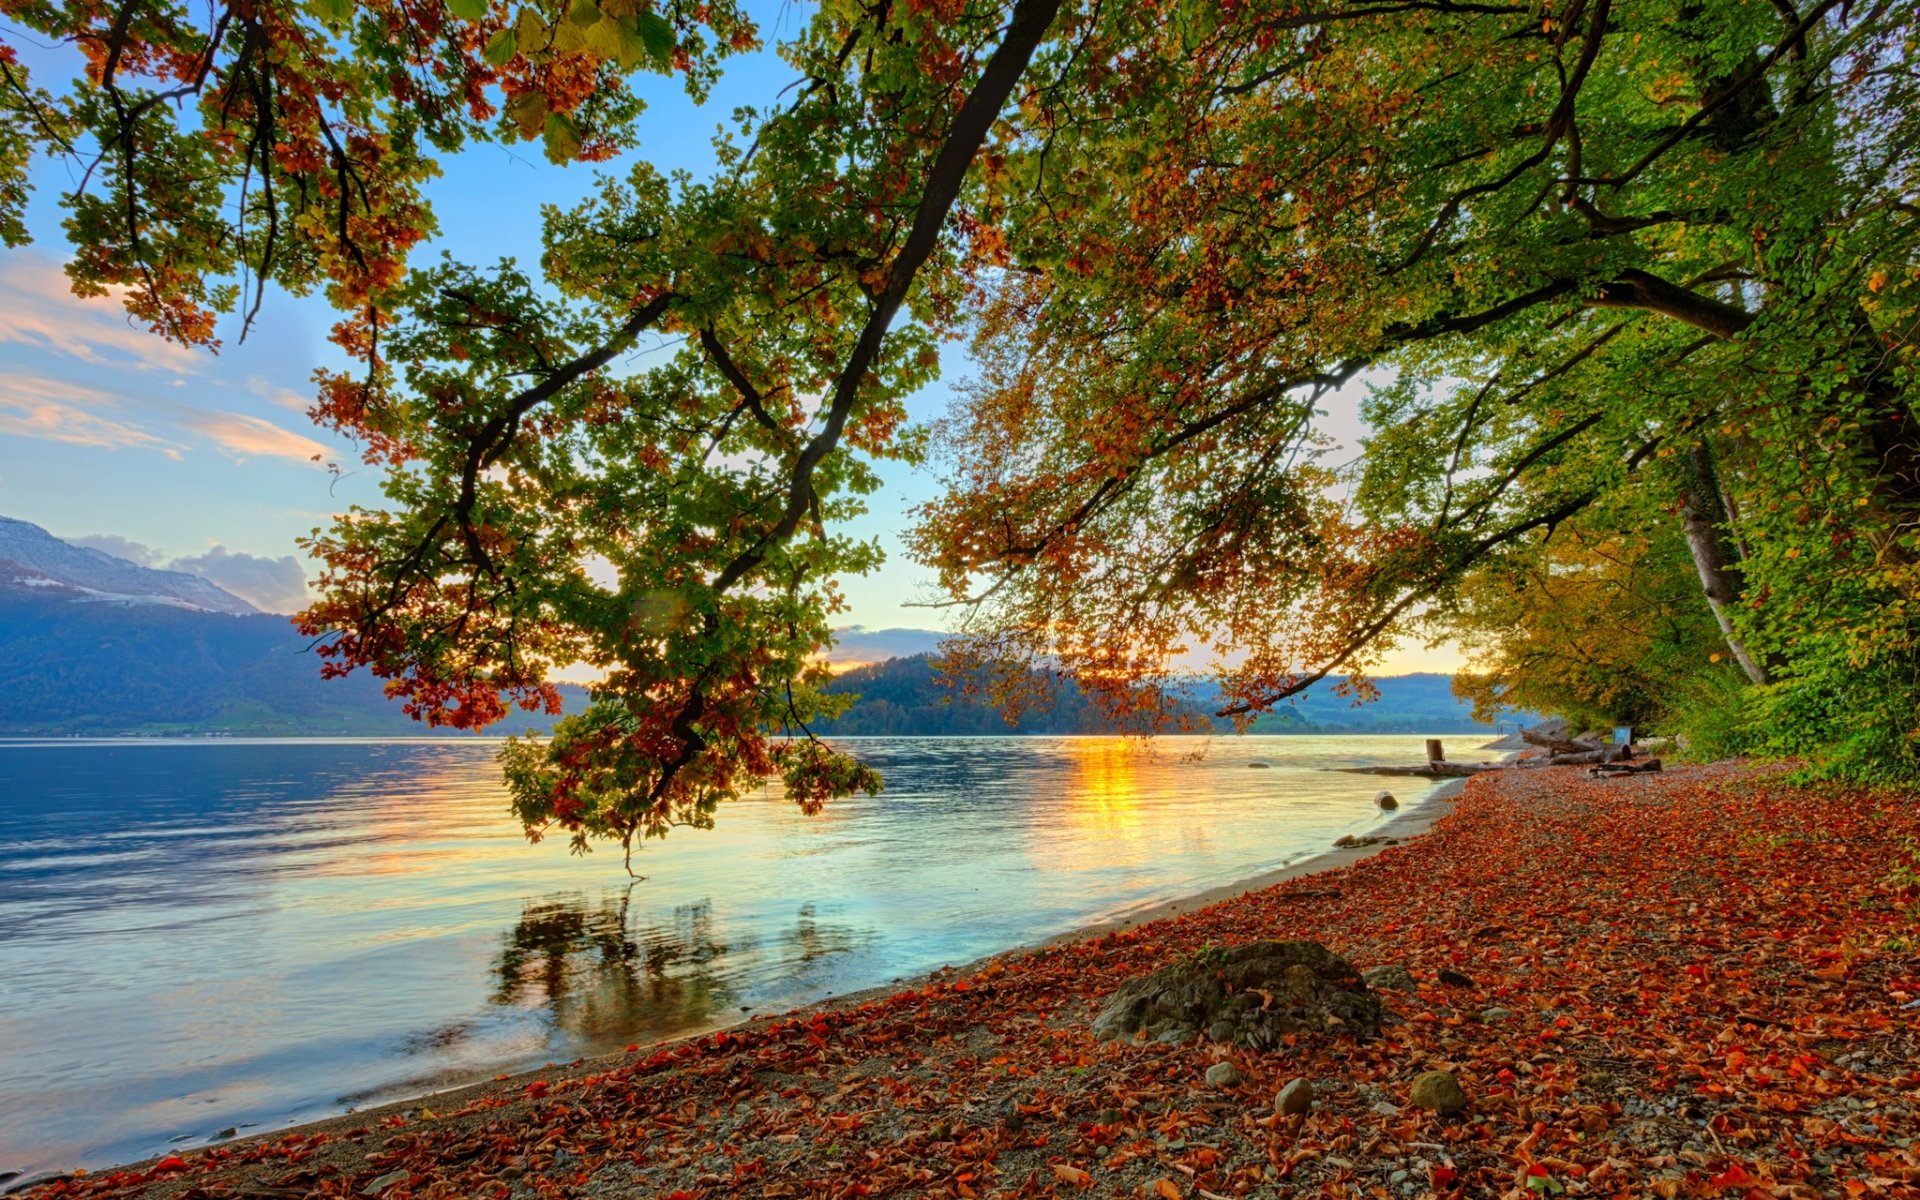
601,980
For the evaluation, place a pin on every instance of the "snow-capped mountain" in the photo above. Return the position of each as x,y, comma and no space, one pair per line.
32,558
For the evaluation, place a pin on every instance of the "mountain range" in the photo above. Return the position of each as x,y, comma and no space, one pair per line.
35,560
95,645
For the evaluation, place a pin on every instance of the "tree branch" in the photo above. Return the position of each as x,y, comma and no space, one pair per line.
1635,288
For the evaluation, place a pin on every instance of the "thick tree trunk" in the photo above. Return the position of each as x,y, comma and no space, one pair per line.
1706,541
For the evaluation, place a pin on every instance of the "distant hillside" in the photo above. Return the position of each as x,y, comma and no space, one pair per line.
32,558
1418,703
93,644
74,667
900,697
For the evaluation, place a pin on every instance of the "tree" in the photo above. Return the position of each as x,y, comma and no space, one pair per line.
1597,624
1532,235
1170,229
513,452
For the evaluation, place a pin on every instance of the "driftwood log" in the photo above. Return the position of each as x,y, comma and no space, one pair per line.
1598,754
1555,744
1442,770
1609,770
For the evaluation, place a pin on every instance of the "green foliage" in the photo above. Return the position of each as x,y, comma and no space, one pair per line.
1711,715
1595,625
290,142
1851,720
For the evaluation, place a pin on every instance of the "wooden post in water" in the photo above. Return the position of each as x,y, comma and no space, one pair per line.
1434,752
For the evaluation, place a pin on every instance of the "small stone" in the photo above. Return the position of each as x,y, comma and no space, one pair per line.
1223,1075
1385,800
1386,1108
1260,764
1391,977
1221,1031
384,1182
1295,1099
1454,978
1399,1176
1495,1013
1438,1091
1597,1080
224,1134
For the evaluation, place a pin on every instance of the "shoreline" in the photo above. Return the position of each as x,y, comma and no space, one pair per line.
1575,955
1404,825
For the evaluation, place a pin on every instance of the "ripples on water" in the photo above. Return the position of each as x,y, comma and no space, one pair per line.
195,936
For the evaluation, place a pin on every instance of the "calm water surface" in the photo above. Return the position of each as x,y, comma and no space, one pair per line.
197,936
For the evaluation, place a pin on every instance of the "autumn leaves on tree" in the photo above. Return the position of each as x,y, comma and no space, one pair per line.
1629,287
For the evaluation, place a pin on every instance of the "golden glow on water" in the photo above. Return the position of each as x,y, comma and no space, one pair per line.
193,937
1104,794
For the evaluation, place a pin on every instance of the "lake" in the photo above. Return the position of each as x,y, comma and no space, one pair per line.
197,936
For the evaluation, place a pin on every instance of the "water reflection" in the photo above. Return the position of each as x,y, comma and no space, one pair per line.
201,936
595,978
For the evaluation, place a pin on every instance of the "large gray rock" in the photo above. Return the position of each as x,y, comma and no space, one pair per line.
1252,995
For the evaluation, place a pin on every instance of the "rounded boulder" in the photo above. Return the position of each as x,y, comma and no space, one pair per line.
1438,1091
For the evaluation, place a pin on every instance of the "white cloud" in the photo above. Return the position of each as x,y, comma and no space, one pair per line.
119,547
277,585
269,584
286,398
855,645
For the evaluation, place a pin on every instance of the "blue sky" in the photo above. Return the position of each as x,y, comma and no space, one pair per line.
203,462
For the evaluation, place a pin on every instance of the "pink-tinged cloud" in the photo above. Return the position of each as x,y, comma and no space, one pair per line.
38,308
51,410
251,437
